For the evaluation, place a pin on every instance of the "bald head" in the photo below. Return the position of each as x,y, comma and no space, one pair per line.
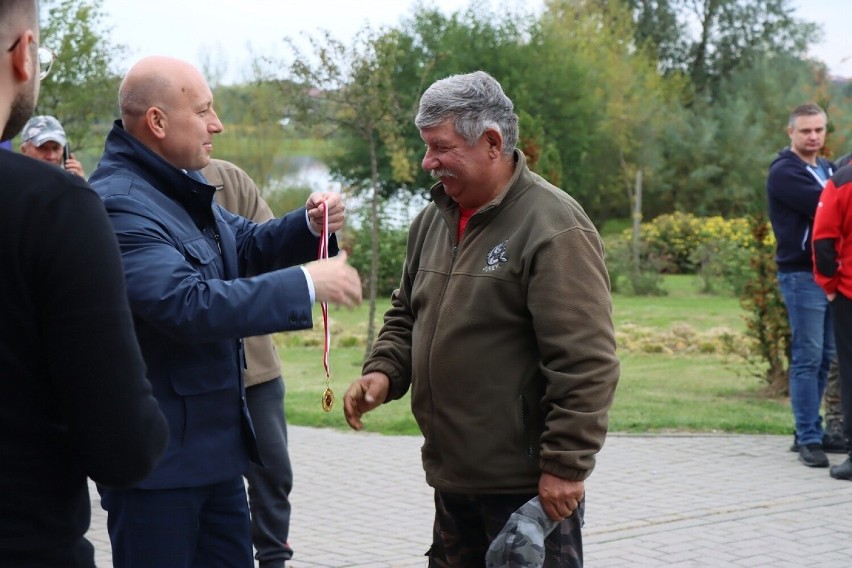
154,82
167,105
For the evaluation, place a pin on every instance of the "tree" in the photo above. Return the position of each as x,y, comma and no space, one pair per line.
631,99
253,118
718,152
729,35
82,88
347,93
767,327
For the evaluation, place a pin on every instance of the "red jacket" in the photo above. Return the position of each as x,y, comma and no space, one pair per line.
832,238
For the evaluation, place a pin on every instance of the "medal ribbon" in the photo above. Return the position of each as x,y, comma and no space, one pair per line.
323,254
328,395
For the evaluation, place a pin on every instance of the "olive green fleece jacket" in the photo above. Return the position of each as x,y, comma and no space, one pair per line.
506,339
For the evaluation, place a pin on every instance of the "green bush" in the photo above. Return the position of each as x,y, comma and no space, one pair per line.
644,280
677,239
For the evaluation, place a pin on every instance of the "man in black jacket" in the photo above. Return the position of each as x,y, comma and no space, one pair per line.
74,400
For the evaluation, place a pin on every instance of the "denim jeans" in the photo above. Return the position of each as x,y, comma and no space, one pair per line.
812,350
269,487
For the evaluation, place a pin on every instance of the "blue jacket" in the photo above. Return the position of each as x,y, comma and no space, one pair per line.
793,191
184,258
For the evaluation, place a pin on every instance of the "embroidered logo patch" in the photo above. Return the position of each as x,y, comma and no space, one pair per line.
496,257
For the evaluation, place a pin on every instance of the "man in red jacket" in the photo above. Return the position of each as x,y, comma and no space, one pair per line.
832,248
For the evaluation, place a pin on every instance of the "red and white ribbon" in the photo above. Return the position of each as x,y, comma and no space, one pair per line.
323,254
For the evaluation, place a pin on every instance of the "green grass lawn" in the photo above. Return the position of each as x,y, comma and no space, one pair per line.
673,376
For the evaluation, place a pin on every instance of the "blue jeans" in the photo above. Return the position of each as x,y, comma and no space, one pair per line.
812,349
269,487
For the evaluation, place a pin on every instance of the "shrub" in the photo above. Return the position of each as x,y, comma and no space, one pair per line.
644,280
713,247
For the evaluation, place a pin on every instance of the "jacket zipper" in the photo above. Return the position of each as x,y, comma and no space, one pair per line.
216,238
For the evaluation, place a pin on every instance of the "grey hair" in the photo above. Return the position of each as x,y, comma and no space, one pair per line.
807,109
476,102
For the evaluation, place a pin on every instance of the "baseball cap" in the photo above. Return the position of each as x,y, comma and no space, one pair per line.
40,129
521,542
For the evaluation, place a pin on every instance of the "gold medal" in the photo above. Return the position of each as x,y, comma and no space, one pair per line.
327,400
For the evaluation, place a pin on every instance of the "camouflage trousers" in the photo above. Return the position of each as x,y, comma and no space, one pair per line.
831,400
466,524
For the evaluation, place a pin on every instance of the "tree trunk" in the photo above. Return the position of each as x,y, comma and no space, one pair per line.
636,214
374,248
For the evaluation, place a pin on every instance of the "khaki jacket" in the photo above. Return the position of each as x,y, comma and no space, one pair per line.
236,192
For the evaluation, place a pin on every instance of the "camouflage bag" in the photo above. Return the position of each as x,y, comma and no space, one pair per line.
521,542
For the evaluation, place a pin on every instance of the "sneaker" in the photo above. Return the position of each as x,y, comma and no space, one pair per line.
812,455
842,471
795,446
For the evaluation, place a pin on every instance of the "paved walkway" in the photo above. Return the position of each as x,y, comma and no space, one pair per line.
360,500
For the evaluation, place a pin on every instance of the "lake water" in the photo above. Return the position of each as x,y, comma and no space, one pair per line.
306,171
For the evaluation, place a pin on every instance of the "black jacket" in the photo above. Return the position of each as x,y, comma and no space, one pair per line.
74,401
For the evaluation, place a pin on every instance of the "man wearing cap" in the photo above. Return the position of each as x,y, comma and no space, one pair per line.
44,139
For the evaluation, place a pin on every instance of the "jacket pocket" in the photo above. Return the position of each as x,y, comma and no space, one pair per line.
199,253
206,404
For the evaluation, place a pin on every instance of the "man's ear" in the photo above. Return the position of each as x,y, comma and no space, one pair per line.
22,64
156,121
495,142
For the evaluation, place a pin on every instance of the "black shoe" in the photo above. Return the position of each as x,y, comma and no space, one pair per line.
842,471
834,443
795,446
812,455
833,439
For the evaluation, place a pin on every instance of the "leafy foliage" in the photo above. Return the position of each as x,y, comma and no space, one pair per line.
676,237
730,35
391,255
767,326
82,88
254,130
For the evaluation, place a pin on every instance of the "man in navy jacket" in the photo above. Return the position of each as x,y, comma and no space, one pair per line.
185,261
793,188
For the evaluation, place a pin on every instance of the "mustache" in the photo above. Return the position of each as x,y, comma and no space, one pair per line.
442,173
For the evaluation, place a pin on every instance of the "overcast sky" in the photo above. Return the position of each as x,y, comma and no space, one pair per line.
231,30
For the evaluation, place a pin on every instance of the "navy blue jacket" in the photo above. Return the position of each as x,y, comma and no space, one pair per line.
793,191
184,258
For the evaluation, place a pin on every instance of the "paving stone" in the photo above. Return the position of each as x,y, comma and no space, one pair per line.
681,501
